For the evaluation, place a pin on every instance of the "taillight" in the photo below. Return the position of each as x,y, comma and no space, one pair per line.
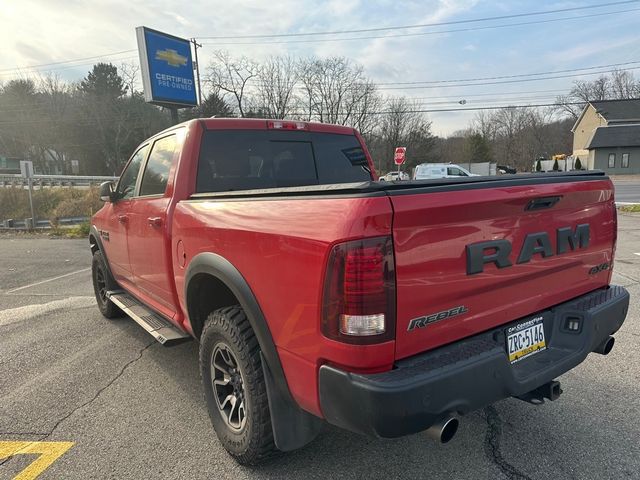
615,227
359,297
615,240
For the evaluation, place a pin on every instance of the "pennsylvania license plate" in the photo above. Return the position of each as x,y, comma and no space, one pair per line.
525,339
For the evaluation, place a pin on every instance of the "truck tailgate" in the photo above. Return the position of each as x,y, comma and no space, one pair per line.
432,228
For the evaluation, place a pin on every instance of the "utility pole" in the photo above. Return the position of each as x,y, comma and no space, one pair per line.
197,45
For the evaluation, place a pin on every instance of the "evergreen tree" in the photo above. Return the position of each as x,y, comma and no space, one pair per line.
212,106
539,165
556,167
578,164
103,81
479,150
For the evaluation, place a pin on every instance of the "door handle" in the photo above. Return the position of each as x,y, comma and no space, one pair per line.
123,218
155,221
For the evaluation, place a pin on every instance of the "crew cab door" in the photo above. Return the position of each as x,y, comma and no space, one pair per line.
149,232
117,220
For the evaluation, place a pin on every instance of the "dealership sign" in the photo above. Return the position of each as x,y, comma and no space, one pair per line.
167,69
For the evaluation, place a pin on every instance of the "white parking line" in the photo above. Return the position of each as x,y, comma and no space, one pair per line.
637,253
48,280
19,314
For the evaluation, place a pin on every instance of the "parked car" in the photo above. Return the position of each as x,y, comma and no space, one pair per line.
440,170
382,308
504,169
393,176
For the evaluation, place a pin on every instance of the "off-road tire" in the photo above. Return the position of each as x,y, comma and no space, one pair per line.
102,283
253,442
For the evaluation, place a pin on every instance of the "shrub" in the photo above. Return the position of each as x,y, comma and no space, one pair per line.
578,164
74,205
556,167
538,166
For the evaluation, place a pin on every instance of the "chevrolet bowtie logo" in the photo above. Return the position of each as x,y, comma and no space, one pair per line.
172,57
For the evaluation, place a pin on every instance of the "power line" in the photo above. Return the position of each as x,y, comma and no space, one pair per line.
435,110
554,91
424,25
520,75
18,73
31,67
439,32
502,82
578,72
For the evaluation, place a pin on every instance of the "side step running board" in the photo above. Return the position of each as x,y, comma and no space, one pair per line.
162,330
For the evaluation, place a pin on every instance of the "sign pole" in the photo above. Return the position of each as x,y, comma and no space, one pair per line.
174,115
33,215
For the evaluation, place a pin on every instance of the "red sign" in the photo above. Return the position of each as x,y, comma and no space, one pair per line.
399,155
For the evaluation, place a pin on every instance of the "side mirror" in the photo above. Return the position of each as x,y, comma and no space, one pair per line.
107,192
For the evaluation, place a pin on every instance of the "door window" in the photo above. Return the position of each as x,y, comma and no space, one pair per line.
161,159
456,172
129,177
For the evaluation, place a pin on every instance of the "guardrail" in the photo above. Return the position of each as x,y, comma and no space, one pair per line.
11,224
9,180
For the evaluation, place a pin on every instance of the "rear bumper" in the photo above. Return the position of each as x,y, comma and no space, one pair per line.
468,374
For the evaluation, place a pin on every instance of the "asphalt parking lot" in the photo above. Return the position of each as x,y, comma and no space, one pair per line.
131,408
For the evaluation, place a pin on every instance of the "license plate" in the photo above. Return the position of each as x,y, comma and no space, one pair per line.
525,339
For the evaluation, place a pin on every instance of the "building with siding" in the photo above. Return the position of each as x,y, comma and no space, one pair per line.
606,133
615,149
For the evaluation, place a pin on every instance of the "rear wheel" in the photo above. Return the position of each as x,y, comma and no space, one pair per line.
102,283
234,386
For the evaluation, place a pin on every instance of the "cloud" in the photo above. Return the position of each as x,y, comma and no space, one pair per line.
594,48
45,31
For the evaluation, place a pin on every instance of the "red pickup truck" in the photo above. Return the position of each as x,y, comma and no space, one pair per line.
318,294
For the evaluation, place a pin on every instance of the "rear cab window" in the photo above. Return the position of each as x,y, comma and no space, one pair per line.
255,159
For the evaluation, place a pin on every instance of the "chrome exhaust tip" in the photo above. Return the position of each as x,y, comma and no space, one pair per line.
444,430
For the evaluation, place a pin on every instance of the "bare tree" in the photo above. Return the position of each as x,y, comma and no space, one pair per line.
624,85
278,77
621,84
335,91
232,75
130,73
402,125
483,124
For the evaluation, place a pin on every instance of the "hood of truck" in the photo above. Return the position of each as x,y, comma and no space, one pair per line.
432,229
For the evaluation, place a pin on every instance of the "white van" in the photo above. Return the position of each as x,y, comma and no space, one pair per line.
425,171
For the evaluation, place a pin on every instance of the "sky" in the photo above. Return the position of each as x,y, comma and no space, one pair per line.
36,32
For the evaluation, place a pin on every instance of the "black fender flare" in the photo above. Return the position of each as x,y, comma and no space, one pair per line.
292,426
94,236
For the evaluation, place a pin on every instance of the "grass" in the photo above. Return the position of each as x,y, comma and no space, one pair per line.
49,203
76,231
631,208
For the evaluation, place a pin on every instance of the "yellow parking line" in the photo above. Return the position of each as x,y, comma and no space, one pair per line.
49,453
